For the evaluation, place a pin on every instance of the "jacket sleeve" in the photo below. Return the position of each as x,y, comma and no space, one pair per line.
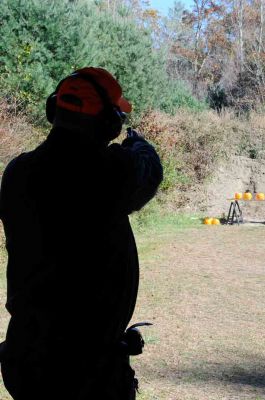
23,235
4,189
142,172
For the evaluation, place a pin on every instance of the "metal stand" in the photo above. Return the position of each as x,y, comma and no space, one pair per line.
234,214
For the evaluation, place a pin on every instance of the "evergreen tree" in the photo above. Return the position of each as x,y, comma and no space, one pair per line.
45,40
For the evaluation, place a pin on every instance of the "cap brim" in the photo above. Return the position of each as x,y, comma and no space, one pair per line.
124,105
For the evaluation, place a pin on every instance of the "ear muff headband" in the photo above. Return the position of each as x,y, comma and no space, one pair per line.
113,117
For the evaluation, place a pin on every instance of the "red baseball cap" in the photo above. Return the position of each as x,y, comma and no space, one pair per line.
88,100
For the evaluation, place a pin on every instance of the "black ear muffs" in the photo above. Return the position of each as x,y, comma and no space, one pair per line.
51,107
110,120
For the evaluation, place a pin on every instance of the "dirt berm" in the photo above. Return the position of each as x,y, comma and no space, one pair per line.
236,175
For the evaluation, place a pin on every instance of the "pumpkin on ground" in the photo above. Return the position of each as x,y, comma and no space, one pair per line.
215,221
207,221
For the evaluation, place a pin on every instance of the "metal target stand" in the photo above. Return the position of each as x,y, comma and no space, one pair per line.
234,214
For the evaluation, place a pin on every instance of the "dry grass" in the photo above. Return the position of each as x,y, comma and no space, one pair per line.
3,313
195,142
203,288
16,135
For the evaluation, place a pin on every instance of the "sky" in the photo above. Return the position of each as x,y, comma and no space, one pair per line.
164,5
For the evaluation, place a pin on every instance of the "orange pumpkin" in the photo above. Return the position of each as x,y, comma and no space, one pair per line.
260,196
247,196
207,221
238,196
215,221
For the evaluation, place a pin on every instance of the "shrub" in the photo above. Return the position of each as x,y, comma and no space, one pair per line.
191,144
180,97
16,135
46,40
43,42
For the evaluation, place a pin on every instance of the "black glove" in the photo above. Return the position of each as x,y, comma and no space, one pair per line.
132,137
131,133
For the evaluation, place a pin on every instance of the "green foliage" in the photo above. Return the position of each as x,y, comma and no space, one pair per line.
154,216
43,42
46,40
180,97
173,176
126,50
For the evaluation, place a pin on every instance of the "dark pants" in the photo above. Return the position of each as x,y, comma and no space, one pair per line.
54,376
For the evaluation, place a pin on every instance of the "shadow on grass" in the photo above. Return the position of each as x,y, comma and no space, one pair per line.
254,222
242,374
227,374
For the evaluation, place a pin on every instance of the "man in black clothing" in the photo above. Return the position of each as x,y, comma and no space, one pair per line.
72,274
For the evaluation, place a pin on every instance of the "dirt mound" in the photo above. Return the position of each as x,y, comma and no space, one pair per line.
236,175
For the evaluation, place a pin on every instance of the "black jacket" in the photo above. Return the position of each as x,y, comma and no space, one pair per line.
72,261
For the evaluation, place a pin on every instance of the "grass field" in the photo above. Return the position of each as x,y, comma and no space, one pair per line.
204,290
